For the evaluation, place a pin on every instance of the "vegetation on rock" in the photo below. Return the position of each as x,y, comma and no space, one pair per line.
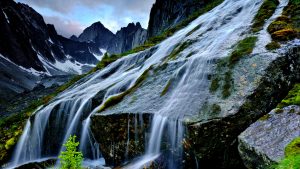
273,45
293,97
243,48
71,158
166,89
11,127
179,48
286,27
265,12
113,100
292,156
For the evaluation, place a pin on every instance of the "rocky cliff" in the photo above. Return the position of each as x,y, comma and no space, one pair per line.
166,14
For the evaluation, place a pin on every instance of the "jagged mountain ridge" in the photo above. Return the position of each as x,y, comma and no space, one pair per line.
31,49
125,39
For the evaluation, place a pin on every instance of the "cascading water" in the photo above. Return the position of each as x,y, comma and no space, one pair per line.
69,113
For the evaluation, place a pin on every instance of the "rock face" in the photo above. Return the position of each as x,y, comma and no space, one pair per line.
131,129
263,143
125,39
30,48
98,34
167,13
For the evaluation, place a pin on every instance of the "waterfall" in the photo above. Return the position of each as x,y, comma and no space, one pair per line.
69,113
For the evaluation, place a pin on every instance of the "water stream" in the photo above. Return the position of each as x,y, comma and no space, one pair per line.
69,113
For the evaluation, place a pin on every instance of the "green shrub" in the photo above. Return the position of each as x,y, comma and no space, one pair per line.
71,158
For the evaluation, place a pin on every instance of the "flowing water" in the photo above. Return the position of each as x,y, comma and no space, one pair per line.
69,113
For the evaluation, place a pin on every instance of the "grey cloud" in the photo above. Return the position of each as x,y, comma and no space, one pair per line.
64,27
65,6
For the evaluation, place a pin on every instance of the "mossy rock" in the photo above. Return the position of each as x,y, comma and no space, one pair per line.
278,25
273,45
265,12
293,148
292,156
285,35
10,143
293,97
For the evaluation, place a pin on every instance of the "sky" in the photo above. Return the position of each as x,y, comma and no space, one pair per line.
72,16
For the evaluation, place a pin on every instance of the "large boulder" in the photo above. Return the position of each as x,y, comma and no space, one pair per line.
263,143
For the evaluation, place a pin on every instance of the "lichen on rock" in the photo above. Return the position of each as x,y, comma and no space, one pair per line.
267,142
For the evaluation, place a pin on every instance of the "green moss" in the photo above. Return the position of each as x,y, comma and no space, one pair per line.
191,54
273,45
214,84
265,12
166,88
227,86
278,25
244,47
193,30
285,34
179,48
292,156
11,127
9,143
215,109
278,111
265,117
293,97
113,100
293,148
287,26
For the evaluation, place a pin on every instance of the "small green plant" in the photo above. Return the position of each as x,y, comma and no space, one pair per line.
71,158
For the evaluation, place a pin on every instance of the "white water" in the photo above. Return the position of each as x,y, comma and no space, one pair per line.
69,113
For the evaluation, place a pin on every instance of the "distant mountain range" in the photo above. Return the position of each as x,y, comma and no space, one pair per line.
31,49
125,39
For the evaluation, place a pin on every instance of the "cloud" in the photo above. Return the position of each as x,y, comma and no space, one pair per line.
70,16
65,27
66,6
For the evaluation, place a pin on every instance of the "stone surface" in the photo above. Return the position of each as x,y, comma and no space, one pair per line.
263,143
167,13
122,137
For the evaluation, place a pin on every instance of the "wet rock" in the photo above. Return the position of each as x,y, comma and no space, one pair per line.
257,90
121,136
263,143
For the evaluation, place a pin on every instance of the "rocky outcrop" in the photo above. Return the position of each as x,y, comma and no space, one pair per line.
168,13
263,143
129,37
98,34
124,136
125,39
253,102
